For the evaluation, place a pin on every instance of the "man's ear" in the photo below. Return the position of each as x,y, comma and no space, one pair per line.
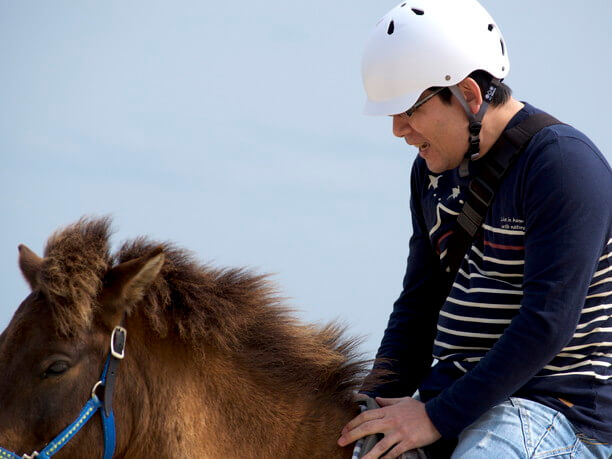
471,92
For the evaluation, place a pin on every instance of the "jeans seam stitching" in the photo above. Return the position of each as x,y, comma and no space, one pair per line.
545,434
569,448
525,425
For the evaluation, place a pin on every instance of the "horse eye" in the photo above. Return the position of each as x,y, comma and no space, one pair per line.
56,368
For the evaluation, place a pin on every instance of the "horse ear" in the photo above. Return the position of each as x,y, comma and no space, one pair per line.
125,284
30,265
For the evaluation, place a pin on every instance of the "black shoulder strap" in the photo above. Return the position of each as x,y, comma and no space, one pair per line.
493,168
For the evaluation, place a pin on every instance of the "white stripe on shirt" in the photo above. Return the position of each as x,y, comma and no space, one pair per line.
596,319
475,319
494,273
595,330
483,305
498,260
583,346
470,334
596,308
487,290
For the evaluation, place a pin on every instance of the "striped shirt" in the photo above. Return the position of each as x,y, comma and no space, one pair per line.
530,311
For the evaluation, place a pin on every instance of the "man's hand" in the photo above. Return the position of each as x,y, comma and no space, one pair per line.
403,421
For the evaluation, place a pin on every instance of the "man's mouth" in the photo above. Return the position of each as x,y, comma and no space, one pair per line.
423,146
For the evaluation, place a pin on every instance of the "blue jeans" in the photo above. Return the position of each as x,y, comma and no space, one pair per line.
521,428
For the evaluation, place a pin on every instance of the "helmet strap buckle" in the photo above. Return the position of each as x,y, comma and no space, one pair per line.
475,120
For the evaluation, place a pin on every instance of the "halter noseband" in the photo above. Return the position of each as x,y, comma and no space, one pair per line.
107,379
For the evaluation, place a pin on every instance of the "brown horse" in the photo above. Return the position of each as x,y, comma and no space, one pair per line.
214,367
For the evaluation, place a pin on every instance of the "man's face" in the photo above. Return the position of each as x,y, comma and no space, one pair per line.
438,130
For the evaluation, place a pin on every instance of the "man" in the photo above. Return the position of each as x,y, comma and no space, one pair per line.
523,341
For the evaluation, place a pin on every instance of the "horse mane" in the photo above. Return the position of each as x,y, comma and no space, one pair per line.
233,310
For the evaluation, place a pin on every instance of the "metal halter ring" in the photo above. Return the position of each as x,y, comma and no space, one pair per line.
95,388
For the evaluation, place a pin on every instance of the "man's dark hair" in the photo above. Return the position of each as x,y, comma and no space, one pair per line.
483,79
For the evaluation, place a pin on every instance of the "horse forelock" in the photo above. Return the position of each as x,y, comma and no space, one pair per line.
71,276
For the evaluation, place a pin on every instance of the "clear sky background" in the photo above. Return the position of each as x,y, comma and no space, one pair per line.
235,129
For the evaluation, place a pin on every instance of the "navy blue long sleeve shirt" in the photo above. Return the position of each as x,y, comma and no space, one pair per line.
530,311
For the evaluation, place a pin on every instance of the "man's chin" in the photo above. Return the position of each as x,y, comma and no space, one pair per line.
439,168
433,168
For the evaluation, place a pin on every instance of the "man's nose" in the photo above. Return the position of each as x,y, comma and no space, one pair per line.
401,126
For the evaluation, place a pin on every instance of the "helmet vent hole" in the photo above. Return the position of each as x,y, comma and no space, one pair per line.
503,49
418,12
403,5
391,28
491,27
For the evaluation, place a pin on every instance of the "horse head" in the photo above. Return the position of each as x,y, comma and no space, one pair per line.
53,351
215,365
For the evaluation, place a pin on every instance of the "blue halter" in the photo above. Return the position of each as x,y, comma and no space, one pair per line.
107,380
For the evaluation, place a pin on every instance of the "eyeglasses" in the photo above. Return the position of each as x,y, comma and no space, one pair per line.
412,109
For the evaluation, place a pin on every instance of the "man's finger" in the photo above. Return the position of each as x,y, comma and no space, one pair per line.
397,451
366,416
383,445
360,431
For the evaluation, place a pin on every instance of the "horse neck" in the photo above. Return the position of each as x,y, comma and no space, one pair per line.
259,417
209,406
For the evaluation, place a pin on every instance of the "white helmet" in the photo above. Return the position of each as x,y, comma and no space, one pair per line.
425,43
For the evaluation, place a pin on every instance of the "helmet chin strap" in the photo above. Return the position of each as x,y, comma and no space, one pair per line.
475,120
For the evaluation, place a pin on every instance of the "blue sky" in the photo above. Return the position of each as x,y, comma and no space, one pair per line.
236,130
